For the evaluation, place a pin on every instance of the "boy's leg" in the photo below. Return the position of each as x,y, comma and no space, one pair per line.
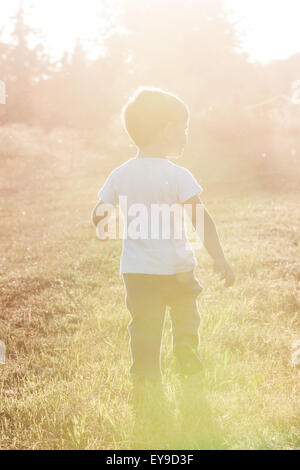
147,309
185,326
185,320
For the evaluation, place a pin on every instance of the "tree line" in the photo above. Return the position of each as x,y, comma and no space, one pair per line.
190,48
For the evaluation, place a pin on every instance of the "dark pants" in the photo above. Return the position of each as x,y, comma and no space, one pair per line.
147,296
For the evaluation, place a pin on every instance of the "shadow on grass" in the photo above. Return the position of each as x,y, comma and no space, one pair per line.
180,418
197,425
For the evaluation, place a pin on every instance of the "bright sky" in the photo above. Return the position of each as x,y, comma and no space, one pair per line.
270,28
60,21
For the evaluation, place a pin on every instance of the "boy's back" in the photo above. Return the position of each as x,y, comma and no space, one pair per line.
158,268
150,191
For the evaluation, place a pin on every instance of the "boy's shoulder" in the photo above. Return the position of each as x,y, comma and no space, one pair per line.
180,169
118,169
131,164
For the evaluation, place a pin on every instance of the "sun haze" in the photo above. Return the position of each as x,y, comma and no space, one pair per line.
270,28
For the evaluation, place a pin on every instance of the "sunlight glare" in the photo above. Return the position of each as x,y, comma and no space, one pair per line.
269,28
63,22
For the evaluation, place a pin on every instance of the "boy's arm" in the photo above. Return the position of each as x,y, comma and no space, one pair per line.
211,241
100,212
94,217
104,209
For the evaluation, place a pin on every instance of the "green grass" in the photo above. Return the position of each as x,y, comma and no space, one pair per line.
62,316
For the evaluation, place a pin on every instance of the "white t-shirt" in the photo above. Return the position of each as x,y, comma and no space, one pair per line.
140,187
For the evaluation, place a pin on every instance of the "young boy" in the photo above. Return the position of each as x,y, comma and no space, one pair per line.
158,270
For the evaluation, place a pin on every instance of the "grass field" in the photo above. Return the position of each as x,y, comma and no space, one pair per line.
63,319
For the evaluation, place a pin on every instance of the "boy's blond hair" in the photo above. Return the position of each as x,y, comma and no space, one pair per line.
148,111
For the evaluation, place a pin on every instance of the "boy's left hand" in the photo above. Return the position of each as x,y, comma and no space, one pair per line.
226,271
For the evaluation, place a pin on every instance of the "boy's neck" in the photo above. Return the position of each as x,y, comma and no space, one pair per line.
151,152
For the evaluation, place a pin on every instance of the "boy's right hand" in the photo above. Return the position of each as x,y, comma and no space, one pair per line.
223,267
